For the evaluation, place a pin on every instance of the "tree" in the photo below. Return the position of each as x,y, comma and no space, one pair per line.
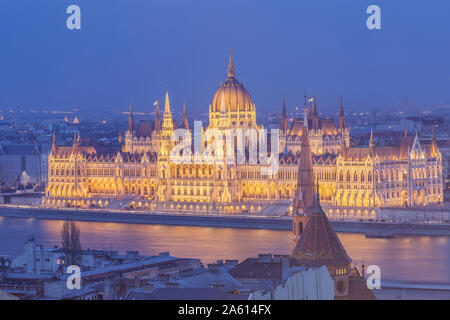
70,235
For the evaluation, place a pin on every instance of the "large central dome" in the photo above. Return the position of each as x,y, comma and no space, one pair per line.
232,94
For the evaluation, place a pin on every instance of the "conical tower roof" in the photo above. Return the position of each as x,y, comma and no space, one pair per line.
304,193
319,244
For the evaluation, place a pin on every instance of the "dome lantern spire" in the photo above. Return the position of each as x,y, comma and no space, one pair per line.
231,72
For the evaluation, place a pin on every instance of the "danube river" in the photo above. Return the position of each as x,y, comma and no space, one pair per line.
412,258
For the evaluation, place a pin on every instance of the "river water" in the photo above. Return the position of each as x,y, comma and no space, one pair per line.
412,258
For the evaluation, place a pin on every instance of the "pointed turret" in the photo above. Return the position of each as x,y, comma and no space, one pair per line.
54,143
231,71
184,120
75,142
341,118
157,118
167,116
315,116
434,147
131,127
284,120
167,102
416,149
304,193
371,140
371,143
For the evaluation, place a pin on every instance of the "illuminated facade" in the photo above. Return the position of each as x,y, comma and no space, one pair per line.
352,181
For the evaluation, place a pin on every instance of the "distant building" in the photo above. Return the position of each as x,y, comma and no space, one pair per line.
280,277
265,277
40,273
23,165
353,181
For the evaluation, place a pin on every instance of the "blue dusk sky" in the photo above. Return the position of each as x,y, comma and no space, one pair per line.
133,50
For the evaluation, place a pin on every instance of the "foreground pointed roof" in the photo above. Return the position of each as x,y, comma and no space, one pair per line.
319,244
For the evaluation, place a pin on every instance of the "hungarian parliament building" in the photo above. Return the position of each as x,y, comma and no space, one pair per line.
352,181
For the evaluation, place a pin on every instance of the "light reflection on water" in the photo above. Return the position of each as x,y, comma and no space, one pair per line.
403,258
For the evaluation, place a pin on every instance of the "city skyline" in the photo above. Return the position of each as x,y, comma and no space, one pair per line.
224,150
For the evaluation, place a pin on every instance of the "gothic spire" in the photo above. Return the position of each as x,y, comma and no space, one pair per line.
54,142
341,117
184,120
304,194
315,116
131,127
371,142
167,103
231,71
434,147
284,120
75,142
167,116
157,117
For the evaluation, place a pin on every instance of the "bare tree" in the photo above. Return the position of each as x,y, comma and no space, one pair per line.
70,235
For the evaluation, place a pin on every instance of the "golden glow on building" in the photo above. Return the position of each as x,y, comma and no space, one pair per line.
352,181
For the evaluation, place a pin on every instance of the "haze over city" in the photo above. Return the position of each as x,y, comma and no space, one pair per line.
132,51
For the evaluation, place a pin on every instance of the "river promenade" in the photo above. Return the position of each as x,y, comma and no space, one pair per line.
216,220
